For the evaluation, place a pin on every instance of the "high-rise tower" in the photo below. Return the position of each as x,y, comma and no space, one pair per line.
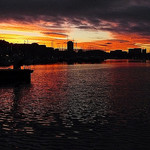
70,46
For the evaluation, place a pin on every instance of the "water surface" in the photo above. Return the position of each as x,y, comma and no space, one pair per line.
82,106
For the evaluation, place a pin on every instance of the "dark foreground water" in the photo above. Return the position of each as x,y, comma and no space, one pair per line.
73,107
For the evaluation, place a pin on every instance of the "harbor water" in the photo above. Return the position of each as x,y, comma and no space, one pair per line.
78,107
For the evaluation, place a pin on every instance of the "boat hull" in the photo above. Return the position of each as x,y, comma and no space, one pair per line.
15,75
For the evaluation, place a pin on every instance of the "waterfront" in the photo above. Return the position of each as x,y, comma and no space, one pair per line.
82,106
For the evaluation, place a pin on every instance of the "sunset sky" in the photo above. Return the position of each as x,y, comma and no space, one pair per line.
92,24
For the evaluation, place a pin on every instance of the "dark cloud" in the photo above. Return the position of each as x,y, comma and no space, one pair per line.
121,16
55,34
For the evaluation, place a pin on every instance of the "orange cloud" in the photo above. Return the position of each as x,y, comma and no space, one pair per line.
20,33
43,33
107,45
119,41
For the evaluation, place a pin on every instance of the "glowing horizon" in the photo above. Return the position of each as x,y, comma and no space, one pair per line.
14,32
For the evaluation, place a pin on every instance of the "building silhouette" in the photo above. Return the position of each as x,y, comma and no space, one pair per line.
135,51
70,46
116,54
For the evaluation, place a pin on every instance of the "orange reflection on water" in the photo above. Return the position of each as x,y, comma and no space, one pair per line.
38,102
47,93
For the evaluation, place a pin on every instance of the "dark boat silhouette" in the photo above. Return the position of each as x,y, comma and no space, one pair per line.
15,75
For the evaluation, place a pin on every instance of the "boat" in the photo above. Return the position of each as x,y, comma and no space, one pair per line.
15,76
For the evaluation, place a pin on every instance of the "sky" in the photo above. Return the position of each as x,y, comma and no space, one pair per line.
91,24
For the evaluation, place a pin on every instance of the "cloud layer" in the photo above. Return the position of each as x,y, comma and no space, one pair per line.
119,16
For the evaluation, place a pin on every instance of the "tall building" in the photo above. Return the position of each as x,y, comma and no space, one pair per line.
70,46
135,51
